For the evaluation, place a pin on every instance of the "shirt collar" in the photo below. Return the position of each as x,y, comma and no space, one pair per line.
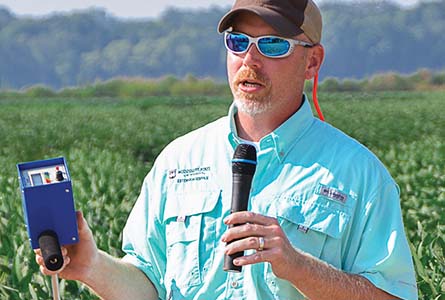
282,138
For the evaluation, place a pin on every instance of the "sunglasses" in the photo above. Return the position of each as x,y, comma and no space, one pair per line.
268,45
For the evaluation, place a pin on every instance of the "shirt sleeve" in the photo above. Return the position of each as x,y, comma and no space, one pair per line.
143,236
384,257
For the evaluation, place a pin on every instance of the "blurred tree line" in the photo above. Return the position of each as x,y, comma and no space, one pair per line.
83,47
190,86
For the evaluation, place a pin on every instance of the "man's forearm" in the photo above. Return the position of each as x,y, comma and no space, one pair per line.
318,280
113,279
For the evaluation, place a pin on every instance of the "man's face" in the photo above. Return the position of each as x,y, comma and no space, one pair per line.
265,85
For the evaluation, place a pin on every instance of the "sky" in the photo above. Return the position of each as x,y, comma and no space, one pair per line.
124,8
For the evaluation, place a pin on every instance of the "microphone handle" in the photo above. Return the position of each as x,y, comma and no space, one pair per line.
240,202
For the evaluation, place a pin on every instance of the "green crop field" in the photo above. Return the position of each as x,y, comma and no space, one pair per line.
110,145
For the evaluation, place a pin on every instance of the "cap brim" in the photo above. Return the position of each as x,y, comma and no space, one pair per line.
283,26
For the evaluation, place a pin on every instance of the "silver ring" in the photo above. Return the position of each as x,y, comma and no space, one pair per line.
261,243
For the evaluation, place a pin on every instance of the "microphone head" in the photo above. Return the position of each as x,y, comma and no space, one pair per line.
244,159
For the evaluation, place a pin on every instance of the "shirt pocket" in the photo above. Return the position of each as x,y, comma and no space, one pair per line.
307,225
184,219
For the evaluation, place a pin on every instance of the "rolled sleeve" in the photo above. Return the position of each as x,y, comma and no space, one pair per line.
142,239
384,257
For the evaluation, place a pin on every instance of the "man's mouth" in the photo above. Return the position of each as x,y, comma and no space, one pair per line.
250,84
253,84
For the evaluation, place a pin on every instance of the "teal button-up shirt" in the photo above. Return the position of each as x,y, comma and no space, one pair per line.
333,198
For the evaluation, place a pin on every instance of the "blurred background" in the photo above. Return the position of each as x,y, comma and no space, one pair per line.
71,43
108,83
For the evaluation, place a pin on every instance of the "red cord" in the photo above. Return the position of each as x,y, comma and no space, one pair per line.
314,98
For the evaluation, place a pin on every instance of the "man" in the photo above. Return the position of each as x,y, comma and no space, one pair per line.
324,220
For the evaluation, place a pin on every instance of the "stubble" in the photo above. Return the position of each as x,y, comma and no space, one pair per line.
252,104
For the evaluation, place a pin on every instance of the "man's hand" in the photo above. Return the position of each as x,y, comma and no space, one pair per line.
110,278
313,277
79,258
277,250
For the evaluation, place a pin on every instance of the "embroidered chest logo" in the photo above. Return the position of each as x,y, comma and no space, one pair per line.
332,193
189,175
172,174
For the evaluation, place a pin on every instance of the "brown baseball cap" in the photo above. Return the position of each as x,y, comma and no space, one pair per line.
288,17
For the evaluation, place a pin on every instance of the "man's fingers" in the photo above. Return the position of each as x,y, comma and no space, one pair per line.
249,243
45,271
257,257
242,217
40,261
245,230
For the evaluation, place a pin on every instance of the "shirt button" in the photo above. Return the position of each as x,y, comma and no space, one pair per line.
234,284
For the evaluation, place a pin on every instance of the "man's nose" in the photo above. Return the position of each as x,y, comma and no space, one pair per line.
253,57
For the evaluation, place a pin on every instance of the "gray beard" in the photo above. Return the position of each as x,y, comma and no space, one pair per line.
252,107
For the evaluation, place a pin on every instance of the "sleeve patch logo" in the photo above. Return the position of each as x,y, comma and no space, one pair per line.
331,193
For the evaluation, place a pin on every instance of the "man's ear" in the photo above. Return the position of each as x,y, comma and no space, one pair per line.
314,60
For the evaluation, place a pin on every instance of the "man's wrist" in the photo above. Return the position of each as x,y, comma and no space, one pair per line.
297,266
97,267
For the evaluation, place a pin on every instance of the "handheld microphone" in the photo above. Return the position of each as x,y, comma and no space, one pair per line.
243,169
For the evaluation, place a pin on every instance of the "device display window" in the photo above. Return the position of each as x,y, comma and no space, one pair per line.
47,175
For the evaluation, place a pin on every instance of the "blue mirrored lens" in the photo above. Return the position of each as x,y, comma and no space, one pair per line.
268,46
237,42
273,46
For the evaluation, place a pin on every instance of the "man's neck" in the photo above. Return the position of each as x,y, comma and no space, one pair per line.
254,128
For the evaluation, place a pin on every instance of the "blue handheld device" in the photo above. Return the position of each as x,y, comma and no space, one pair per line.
48,206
